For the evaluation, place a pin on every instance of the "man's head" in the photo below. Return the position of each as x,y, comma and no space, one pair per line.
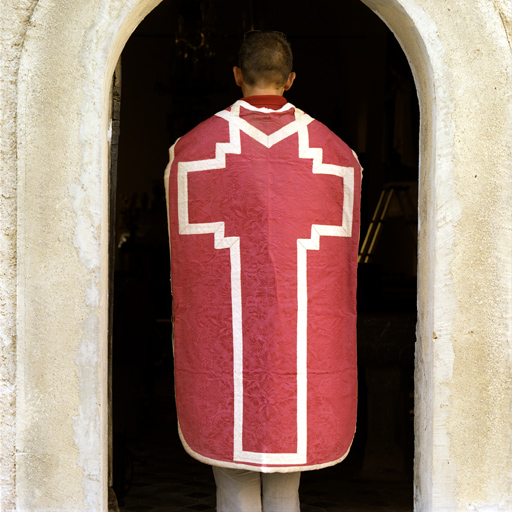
265,63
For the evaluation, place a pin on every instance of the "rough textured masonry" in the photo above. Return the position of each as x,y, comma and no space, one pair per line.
57,58
13,25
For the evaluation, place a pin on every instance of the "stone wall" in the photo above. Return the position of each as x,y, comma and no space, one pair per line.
463,365
14,21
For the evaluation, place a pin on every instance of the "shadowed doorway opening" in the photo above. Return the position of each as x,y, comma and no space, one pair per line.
353,77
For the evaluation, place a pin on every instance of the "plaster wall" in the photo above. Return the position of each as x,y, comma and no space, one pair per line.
63,91
54,150
13,25
463,356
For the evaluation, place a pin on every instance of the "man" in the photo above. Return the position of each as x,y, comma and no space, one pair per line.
263,208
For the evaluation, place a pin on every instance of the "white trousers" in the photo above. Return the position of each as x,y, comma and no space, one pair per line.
239,490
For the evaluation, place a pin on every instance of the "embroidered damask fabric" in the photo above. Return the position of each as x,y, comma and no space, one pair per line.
264,220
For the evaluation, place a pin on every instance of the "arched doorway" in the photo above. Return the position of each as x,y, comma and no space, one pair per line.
171,81
67,52
76,160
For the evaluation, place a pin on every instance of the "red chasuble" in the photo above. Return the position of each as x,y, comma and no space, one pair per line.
263,210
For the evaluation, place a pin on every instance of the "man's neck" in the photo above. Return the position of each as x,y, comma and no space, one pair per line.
254,90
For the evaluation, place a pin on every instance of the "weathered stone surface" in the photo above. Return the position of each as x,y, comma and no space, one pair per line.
14,20
463,402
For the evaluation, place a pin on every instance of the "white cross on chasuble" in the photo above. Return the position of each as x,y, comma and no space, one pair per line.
264,220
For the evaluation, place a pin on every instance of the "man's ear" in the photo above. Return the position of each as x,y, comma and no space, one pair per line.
237,72
290,80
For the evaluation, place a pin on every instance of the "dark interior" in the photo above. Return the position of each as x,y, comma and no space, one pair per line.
353,76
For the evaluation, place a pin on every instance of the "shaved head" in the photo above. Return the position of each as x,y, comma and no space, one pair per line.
265,58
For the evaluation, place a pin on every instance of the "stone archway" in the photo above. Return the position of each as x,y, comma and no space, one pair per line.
68,57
